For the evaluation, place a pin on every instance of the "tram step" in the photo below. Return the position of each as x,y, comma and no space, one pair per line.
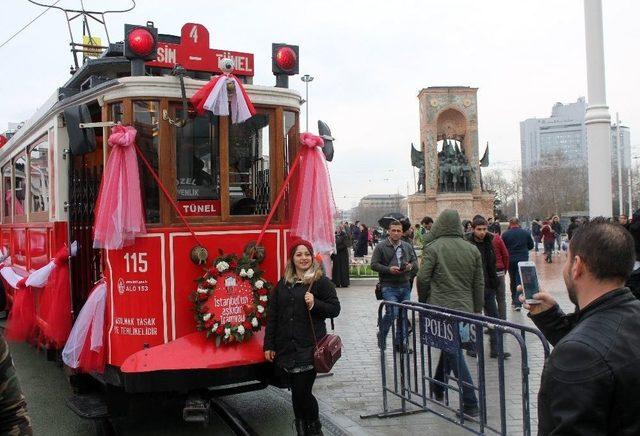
196,409
88,406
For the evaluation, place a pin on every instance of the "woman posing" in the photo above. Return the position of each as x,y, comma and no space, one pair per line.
289,341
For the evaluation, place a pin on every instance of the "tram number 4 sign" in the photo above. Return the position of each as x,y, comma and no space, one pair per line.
446,334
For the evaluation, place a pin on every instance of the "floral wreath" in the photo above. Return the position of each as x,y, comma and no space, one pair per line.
247,269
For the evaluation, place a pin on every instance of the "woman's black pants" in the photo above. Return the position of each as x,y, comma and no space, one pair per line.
305,405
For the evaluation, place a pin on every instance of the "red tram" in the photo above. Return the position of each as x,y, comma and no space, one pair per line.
224,177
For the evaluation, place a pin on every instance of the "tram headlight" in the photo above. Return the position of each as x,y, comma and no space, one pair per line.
141,42
285,62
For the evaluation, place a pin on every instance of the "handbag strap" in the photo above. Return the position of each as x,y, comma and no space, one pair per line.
313,331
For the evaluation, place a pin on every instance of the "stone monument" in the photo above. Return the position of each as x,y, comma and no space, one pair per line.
449,178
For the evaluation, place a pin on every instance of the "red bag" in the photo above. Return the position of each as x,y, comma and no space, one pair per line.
327,351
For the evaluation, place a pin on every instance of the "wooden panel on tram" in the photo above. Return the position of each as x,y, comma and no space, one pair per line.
136,302
19,251
183,272
38,248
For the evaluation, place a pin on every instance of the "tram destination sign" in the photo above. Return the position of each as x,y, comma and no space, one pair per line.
193,53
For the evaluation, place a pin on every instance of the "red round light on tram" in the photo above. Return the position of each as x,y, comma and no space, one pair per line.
141,41
286,58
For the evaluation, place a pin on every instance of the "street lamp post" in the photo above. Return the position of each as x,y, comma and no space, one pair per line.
597,118
306,79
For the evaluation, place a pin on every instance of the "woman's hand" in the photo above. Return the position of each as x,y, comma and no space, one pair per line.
545,299
269,355
308,298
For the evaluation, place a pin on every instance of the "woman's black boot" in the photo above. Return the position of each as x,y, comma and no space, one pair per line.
301,427
314,428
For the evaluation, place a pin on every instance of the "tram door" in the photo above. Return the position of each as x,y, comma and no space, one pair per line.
85,173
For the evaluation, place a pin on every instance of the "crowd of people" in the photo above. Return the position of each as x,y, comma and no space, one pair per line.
463,266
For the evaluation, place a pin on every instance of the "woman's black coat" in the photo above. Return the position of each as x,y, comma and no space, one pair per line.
340,266
288,330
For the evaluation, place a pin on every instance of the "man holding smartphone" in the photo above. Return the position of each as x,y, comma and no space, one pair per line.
590,383
395,262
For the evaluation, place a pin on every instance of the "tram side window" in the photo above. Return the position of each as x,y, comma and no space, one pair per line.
116,112
290,134
146,116
39,177
19,166
197,159
6,188
249,176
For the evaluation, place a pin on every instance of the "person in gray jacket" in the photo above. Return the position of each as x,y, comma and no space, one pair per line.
395,262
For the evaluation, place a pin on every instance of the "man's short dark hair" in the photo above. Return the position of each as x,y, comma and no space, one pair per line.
606,248
478,220
394,223
426,220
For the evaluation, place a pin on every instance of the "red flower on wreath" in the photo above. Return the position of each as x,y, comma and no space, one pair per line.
262,291
209,323
247,325
220,330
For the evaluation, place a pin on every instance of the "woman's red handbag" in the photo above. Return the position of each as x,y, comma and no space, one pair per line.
327,351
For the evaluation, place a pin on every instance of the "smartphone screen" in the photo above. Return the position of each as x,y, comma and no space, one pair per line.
529,279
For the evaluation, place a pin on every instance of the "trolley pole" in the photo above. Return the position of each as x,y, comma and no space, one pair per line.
306,79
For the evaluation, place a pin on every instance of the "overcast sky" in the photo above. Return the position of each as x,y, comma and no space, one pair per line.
370,59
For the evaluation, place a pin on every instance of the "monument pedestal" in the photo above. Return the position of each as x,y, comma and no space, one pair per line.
468,204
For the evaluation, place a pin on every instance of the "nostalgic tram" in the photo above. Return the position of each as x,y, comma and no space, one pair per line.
223,177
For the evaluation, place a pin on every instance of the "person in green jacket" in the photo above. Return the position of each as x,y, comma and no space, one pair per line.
451,276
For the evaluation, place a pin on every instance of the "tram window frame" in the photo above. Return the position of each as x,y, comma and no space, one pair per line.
131,103
270,112
7,218
174,106
43,215
22,218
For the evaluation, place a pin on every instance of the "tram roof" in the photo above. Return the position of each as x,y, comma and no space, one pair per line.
130,86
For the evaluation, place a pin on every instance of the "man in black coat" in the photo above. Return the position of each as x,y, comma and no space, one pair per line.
590,383
483,240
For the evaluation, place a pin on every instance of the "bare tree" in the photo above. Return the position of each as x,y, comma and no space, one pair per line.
555,187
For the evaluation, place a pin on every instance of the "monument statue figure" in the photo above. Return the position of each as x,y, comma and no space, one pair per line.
417,160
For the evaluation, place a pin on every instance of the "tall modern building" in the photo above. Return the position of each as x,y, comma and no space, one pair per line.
560,142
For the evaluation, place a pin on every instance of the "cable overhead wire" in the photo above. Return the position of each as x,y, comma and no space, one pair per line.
30,23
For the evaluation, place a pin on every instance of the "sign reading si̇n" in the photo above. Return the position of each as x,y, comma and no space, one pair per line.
193,53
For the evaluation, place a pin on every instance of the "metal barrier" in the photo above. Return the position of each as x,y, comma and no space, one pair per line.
426,327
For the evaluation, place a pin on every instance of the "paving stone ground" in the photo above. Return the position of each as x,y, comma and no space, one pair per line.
355,388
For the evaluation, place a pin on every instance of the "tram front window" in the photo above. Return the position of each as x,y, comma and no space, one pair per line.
6,188
19,166
39,163
249,176
146,115
197,159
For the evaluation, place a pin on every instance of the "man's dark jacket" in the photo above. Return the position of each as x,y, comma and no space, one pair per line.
591,381
518,242
488,255
384,257
288,330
